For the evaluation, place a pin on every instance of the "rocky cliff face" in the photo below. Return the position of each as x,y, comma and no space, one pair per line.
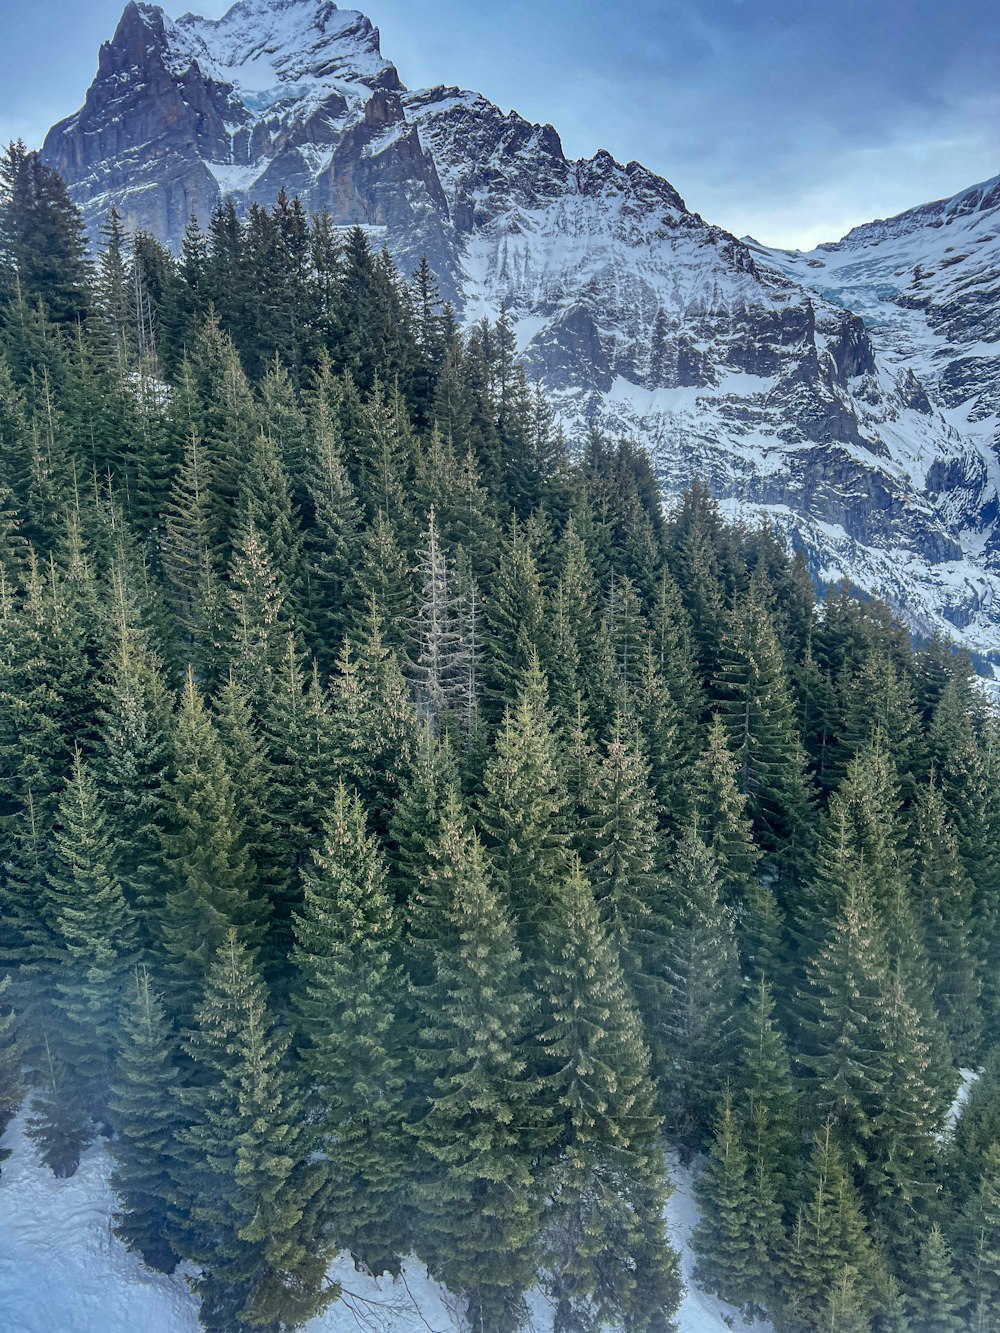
857,410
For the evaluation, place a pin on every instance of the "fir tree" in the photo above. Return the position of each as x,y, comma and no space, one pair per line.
938,1306
143,1105
722,1239
756,706
604,1225
977,1242
208,878
475,1189
523,809
347,995
11,1079
248,1185
96,934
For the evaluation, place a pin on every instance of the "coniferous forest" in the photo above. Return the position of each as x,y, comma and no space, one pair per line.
410,831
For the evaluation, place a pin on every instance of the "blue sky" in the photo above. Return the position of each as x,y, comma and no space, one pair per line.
792,120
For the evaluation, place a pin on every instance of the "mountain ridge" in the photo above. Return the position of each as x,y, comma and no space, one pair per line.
778,377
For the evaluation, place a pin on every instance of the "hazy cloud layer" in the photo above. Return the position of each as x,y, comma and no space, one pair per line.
789,119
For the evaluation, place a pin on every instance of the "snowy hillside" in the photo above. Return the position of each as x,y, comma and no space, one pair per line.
61,1268
851,394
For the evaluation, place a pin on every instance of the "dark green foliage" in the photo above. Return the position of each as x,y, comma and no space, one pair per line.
96,941
143,1106
443,657
248,1186
691,1026
42,245
208,877
479,1129
347,996
755,703
607,1255
723,1239
523,809
977,1242
937,1308
11,1078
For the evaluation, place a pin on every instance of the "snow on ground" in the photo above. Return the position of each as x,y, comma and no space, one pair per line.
968,1076
63,1271
699,1313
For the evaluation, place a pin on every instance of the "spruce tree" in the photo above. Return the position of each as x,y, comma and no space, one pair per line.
604,1226
146,1116
208,878
691,1026
97,943
348,993
11,1078
942,895
830,1255
937,1302
976,1238
755,703
479,1131
523,810
720,813
374,724
722,1240
248,1186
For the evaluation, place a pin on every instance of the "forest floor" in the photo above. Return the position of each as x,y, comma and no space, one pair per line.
63,1271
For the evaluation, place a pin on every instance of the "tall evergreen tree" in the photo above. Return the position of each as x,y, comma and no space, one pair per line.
145,1113
348,995
95,935
523,810
208,878
475,1188
249,1185
691,1028
607,1254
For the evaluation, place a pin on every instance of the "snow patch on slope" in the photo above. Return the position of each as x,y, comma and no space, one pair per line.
63,1271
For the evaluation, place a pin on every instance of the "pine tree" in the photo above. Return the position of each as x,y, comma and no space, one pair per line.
942,898
722,1239
416,819
936,1305
756,706
720,808
829,1254
132,760
374,724
605,1222
42,242
762,1084
146,1116
523,810
516,623
55,1124
347,997
478,1132
976,1238
208,878
691,1027
248,1185
97,941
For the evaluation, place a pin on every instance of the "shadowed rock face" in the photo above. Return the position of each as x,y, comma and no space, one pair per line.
811,388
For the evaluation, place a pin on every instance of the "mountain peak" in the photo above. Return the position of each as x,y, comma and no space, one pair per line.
262,46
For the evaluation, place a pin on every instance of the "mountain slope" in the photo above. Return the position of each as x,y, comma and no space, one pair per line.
62,1268
731,363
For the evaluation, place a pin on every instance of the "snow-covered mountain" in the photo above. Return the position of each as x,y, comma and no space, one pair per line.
851,394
